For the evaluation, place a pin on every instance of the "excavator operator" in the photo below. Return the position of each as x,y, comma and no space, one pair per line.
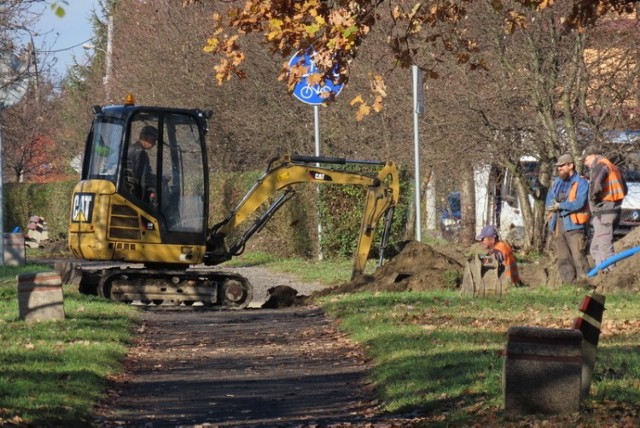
141,178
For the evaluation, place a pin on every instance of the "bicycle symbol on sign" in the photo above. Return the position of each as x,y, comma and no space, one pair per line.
312,94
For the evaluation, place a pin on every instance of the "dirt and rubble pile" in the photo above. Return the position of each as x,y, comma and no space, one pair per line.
625,276
417,267
420,267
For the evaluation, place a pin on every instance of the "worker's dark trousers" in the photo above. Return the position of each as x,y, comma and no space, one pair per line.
602,241
570,249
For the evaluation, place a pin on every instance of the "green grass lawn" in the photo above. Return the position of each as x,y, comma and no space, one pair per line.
53,373
442,353
435,354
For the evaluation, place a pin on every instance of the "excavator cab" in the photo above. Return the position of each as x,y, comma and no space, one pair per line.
143,196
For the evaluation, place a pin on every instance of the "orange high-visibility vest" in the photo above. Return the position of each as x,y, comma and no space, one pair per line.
510,265
613,188
578,217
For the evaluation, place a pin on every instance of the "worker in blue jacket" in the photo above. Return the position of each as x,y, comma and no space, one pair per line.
568,215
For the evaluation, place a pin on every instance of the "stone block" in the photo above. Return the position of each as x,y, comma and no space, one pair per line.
40,296
14,249
542,371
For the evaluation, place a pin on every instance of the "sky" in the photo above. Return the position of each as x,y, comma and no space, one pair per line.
65,36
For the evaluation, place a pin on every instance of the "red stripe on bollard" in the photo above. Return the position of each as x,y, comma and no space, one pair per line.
577,323
585,304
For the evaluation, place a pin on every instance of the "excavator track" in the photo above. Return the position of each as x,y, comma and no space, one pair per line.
174,287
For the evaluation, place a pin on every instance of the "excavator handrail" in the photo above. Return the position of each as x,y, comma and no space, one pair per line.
339,161
383,192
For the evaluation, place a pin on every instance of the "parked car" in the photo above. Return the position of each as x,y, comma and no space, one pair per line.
450,216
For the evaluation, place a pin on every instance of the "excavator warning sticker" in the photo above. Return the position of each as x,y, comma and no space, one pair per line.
82,207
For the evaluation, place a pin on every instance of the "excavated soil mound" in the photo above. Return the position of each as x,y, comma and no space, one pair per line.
417,267
625,276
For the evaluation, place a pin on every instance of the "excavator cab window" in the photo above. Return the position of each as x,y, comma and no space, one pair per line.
164,169
156,159
105,146
182,184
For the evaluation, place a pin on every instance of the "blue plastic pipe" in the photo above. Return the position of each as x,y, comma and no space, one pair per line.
612,260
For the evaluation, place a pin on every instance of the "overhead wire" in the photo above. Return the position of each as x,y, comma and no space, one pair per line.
64,49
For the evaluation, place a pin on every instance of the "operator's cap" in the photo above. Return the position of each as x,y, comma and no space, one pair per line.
486,232
590,150
565,159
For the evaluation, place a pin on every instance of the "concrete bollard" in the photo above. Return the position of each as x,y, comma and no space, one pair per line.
14,249
542,371
40,296
592,308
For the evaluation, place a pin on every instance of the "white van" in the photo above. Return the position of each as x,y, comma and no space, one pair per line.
623,148
497,201
502,207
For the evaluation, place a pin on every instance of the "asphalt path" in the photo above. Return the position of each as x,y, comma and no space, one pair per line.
252,367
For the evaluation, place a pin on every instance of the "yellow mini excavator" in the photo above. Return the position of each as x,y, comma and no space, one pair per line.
154,212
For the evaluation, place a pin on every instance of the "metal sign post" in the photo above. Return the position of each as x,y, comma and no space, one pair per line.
312,94
316,132
418,108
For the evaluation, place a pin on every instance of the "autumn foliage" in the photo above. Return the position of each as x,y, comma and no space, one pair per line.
422,32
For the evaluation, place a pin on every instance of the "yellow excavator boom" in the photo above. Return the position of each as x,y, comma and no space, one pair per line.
383,192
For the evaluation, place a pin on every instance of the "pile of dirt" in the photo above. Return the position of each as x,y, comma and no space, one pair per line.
420,267
625,276
417,267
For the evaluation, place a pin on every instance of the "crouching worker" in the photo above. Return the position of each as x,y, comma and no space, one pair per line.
502,252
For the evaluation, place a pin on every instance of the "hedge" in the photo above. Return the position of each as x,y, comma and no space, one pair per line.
291,232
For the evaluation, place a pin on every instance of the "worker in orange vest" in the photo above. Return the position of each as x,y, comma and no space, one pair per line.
502,251
607,189
568,218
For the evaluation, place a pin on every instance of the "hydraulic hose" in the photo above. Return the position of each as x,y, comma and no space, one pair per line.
612,260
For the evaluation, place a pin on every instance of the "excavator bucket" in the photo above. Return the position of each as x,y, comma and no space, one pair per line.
482,278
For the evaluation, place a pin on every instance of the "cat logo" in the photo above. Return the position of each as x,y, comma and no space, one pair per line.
319,176
82,207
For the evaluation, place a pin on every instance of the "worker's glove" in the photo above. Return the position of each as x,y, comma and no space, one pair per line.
555,206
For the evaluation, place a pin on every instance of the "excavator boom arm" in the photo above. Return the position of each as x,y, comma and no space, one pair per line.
283,173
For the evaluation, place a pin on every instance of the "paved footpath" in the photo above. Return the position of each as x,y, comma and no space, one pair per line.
253,367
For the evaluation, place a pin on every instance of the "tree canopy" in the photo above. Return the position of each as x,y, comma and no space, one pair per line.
422,33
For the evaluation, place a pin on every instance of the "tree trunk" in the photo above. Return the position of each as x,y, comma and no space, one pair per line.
468,204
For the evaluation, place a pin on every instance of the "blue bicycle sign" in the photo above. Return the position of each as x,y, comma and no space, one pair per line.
313,93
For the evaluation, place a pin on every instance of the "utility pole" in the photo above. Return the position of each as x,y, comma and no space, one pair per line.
108,60
107,80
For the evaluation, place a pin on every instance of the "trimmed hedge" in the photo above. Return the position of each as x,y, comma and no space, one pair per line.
341,217
291,232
